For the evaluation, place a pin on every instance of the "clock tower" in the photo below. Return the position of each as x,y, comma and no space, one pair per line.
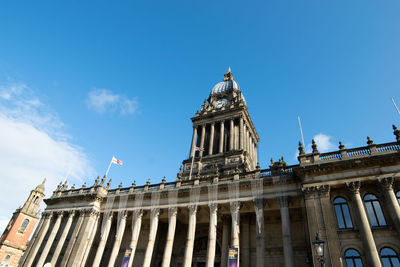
225,134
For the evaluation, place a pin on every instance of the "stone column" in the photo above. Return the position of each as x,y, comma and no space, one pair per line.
172,212
62,239
187,260
245,239
221,137
248,142
367,238
241,132
90,239
81,240
231,135
203,133
332,238
260,239
137,224
225,240
235,207
212,235
117,242
50,240
103,240
72,241
193,141
286,232
35,247
391,200
155,212
210,147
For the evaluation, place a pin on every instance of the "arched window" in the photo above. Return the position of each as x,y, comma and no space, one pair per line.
353,258
342,213
374,211
36,200
24,225
398,196
389,258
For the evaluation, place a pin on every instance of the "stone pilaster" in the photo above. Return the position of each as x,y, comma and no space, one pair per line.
245,240
371,253
203,133
62,238
286,232
235,207
103,240
50,240
172,213
210,147
225,239
212,235
221,137
137,224
260,239
118,238
241,132
193,141
231,134
154,215
391,201
187,261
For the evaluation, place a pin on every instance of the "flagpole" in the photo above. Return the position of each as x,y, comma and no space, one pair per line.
191,166
394,103
109,166
301,130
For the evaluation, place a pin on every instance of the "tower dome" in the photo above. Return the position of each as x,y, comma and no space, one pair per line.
228,84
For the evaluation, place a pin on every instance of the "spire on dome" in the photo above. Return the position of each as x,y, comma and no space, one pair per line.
228,76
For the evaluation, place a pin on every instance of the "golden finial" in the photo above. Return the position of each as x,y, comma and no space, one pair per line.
228,76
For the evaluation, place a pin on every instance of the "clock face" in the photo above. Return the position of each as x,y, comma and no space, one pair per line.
221,103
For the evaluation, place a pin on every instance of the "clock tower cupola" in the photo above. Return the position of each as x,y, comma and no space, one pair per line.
224,132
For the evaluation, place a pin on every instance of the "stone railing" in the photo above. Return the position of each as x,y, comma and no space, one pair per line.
343,153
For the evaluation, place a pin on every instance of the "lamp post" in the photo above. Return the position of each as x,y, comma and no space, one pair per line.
319,247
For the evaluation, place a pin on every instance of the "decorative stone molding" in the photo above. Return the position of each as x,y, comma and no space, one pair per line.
283,201
192,209
154,212
172,211
387,183
354,187
213,207
260,203
323,190
309,192
235,206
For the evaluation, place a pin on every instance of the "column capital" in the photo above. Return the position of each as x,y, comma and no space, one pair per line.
235,206
154,212
323,190
172,211
259,203
137,213
59,213
192,209
213,207
309,192
71,213
386,183
354,187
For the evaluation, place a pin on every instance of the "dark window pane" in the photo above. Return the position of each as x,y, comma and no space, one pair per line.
347,216
398,196
396,262
379,213
339,217
369,197
386,262
371,214
388,252
349,263
339,200
358,263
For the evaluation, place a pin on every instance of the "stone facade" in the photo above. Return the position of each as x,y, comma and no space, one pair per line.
221,199
14,239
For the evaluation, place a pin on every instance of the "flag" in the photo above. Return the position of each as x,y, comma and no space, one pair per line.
116,161
199,149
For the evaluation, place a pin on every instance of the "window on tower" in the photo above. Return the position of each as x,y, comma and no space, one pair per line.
23,226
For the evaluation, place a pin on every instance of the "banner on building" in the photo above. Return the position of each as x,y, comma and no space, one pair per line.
127,256
233,254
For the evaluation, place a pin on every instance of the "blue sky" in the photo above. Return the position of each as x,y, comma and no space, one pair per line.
81,81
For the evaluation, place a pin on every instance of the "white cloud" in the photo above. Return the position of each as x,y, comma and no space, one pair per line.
103,100
324,143
33,146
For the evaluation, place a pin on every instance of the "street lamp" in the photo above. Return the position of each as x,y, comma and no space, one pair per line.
319,247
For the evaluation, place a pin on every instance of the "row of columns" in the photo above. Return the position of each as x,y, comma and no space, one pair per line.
243,137
85,230
320,217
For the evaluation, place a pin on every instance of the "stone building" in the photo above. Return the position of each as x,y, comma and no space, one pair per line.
221,199
14,240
